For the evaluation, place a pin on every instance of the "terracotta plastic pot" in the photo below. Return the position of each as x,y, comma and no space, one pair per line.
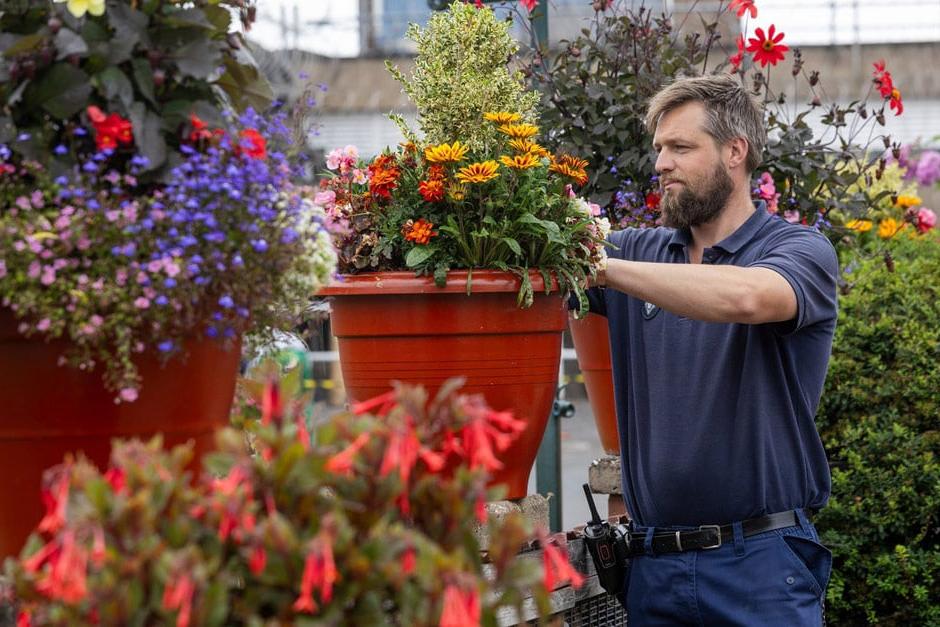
47,411
592,345
395,326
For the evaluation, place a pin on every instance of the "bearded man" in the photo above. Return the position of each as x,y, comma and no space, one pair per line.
721,324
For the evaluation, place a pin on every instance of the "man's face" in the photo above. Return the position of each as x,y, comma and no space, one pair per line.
694,179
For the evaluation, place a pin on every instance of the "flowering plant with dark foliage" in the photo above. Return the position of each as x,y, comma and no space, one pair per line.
364,519
821,158
134,216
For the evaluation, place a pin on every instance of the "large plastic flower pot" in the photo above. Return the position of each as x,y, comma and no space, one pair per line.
393,326
592,345
47,410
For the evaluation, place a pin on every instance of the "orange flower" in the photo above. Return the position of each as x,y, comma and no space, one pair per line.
432,191
572,167
502,117
478,172
767,49
382,182
527,145
420,232
519,131
436,173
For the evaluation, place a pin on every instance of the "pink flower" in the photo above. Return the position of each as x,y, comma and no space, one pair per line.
34,270
767,192
171,268
129,395
791,215
3,268
48,276
325,199
43,325
926,219
141,303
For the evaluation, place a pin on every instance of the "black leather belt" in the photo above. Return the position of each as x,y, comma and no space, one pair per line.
709,536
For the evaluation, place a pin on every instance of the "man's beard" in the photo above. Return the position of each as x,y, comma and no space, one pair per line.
690,208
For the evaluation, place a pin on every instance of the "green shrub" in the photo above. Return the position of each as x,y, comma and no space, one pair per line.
879,418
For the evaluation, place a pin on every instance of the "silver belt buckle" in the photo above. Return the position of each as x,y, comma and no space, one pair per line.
717,529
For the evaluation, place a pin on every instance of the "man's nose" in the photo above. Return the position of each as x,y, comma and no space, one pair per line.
664,162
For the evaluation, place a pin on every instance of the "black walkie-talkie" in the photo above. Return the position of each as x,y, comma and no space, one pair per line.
608,548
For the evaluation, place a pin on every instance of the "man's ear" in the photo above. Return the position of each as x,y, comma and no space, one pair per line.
737,152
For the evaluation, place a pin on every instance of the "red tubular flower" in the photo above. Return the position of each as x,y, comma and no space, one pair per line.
66,580
319,572
55,497
253,144
529,4
178,595
461,608
767,49
556,567
258,560
342,462
408,561
271,406
117,479
744,6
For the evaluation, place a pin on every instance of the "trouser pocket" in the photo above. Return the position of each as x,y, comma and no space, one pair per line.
811,557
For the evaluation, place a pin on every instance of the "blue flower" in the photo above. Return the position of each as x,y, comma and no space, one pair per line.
227,302
165,346
161,300
60,149
212,332
169,282
78,131
259,245
22,137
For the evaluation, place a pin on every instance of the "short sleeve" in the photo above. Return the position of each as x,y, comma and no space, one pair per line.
807,260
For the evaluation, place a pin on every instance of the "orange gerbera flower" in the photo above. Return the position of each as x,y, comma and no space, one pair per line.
572,167
432,190
420,232
521,162
519,131
573,162
436,173
502,117
478,172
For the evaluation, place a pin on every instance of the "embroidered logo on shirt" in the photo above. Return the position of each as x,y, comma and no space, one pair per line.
649,311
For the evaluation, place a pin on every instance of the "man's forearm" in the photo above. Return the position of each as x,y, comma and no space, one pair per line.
706,292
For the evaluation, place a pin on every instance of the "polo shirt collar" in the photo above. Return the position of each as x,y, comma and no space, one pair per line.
732,243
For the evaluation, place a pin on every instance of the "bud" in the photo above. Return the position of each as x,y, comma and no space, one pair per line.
816,102
154,57
813,78
159,77
54,24
233,41
574,51
75,59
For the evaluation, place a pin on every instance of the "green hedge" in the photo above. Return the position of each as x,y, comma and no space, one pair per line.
880,421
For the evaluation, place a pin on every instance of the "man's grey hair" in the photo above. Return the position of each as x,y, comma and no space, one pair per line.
730,111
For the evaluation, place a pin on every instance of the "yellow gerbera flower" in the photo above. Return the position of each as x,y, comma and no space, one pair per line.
526,145
521,162
519,131
78,8
862,226
579,176
889,228
456,192
907,200
478,172
445,153
502,117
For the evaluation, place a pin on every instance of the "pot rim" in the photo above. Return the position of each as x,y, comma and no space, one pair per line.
405,282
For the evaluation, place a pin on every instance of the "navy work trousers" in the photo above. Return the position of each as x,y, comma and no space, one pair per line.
776,578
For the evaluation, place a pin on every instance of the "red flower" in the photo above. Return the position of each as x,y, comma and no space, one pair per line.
744,6
556,567
432,191
652,200
886,87
461,608
200,130
767,49
896,105
271,405
735,60
408,560
55,497
253,143
529,4
319,571
258,560
66,580
178,595
342,462
110,130
117,478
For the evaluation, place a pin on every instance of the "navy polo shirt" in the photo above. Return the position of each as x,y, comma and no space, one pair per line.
716,420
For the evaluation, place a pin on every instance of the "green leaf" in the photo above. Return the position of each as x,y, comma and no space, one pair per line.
26,43
63,91
114,84
68,42
127,22
245,86
418,255
188,17
198,59
513,245
143,76
148,135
